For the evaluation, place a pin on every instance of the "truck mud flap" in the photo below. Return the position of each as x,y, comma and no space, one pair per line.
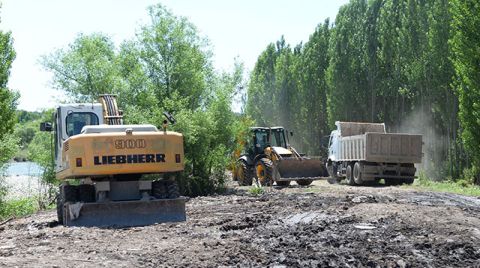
294,169
124,213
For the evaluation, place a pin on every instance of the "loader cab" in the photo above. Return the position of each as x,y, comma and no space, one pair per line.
265,137
69,120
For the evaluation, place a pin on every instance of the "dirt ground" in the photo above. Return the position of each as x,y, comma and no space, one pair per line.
322,225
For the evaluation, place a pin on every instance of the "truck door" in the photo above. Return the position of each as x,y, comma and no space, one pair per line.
333,146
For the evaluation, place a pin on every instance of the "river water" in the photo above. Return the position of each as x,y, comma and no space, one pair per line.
22,179
23,169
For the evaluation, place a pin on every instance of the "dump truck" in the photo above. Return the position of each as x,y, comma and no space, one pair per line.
364,153
268,158
114,174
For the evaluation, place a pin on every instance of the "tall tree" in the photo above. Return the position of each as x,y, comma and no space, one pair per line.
86,69
466,59
8,99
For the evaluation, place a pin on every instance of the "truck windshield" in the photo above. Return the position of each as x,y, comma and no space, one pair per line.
76,121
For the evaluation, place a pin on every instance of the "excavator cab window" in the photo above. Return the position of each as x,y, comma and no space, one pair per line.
76,121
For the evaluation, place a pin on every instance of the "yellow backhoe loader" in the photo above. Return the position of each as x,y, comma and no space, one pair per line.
114,174
268,158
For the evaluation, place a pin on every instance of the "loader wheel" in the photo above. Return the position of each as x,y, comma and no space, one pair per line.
244,174
283,183
304,182
172,189
59,209
159,190
350,180
86,193
357,173
263,172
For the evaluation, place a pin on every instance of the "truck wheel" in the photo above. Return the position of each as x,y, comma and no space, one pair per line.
59,209
244,174
304,182
263,172
86,193
350,180
283,183
357,173
408,181
333,178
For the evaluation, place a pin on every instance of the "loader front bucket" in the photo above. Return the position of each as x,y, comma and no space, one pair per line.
304,168
124,213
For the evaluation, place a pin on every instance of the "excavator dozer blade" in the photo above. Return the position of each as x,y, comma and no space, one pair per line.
305,168
124,213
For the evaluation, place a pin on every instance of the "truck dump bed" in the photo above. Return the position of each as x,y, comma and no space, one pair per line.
382,147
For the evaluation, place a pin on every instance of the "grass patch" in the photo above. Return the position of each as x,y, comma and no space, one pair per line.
458,187
255,190
18,208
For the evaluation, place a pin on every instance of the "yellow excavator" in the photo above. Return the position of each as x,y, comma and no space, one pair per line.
114,174
268,158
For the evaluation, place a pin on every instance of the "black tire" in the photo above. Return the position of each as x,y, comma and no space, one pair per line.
86,193
333,178
409,181
304,182
266,178
244,174
350,180
59,209
172,189
159,190
357,173
283,183
70,193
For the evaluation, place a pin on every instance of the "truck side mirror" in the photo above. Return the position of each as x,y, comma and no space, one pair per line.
46,126
291,133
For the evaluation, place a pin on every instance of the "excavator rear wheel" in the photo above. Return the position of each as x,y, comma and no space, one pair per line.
66,193
172,189
59,209
86,193
159,190
264,172
244,174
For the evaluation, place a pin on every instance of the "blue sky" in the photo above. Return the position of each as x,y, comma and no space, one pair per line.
235,28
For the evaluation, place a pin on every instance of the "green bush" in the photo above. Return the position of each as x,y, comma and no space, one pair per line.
256,190
18,207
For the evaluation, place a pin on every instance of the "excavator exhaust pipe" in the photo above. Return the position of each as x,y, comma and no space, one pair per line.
121,214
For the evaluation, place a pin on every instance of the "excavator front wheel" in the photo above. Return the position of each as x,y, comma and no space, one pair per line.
263,172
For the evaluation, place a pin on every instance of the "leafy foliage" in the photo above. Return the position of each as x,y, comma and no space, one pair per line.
466,58
8,99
